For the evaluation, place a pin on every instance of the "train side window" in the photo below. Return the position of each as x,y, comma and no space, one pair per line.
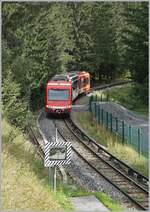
74,84
86,81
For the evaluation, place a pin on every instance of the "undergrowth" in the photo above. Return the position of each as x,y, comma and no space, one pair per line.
25,183
76,191
112,143
125,95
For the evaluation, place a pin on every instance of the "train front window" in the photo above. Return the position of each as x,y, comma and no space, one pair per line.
58,94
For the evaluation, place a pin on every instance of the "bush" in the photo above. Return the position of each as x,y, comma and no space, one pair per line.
14,104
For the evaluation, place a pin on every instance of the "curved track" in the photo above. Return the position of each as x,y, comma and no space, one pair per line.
128,181
136,194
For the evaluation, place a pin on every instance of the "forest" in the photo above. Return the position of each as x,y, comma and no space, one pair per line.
108,39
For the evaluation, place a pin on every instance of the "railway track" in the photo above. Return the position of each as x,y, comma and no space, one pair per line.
135,190
98,87
127,180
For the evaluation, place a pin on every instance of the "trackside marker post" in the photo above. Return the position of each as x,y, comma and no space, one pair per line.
56,153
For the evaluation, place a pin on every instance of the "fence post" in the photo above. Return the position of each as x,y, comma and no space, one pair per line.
90,103
107,97
96,115
102,115
116,124
123,132
94,108
130,135
101,98
111,122
95,97
99,114
107,119
139,142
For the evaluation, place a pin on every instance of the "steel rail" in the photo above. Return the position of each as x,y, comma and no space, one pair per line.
139,176
100,148
132,172
110,85
35,141
131,198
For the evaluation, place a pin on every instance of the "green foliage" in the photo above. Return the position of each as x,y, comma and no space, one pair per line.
105,48
112,142
105,38
14,107
25,184
129,96
76,191
135,37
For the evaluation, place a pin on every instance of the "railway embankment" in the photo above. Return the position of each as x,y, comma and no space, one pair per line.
79,171
113,143
90,183
25,184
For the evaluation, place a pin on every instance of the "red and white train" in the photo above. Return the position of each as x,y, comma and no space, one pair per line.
62,89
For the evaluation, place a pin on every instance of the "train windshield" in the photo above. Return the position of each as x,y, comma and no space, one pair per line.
57,94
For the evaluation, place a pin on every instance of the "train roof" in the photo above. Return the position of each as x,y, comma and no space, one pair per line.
59,83
66,76
60,77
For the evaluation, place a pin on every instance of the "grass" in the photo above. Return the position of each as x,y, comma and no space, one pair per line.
112,142
124,96
76,191
25,183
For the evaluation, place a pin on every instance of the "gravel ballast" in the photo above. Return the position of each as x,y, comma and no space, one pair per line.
80,171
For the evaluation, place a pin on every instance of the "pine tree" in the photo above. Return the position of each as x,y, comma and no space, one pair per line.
136,40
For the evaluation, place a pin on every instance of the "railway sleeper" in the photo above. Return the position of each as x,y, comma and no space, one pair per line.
131,172
100,150
140,178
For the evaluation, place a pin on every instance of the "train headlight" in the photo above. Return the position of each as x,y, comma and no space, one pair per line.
48,106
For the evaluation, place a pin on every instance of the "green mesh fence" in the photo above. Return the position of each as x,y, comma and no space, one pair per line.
131,135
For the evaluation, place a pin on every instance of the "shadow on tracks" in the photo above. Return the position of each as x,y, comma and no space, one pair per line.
54,116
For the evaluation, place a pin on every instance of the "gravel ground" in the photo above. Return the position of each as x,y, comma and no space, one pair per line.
124,114
47,127
130,117
78,168
92,181
117,110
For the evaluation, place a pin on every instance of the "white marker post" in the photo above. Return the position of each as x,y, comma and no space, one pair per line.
54,185
56,136
56,153
54,169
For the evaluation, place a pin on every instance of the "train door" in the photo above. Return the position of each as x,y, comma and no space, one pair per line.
84,84
74,88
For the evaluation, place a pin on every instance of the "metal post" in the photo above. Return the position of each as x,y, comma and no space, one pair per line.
102,115
111,122
49,169
51,176
107,119
123,131
90,100
95,97
95,108
116,124
130,134
107,97
139,143
101,98
54,178
90,103
56,135
99,114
